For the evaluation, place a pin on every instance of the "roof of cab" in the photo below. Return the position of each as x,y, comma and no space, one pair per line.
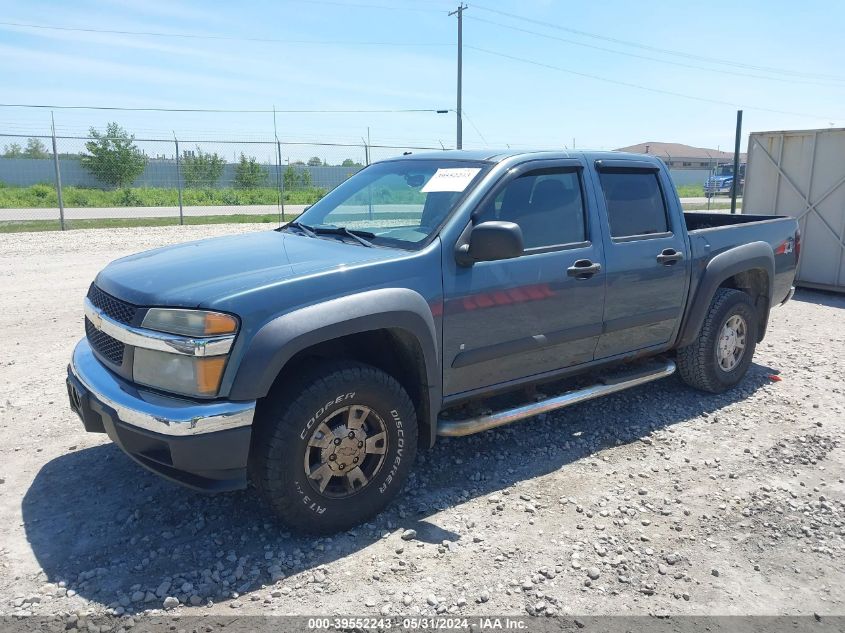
498,155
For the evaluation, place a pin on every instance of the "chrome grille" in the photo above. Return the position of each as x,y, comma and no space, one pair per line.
115,308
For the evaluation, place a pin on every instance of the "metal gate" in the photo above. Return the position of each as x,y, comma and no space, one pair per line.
802,174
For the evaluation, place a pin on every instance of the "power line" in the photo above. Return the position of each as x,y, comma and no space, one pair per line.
358,5
642,87
219,110
475,127
646,57
227,38
665,51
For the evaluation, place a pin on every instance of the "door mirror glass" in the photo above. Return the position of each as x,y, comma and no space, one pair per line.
491,241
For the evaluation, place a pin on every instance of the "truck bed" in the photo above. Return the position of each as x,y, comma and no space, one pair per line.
713,233
697,220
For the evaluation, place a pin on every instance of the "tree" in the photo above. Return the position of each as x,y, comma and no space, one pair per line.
201,169
305,178
314,161
12,151
35,149
249,174
113,157
291,178
350,163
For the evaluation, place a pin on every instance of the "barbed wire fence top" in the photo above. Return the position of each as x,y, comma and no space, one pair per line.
114,178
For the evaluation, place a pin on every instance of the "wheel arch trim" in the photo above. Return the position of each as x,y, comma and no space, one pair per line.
727,264
279,340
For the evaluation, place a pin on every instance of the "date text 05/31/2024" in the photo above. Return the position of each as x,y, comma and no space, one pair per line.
412,623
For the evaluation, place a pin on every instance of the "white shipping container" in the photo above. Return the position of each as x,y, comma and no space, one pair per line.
801,173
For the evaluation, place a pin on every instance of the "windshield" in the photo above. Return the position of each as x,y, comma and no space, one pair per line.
725,170
395,203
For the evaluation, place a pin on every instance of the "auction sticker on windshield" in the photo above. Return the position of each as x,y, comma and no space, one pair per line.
452,179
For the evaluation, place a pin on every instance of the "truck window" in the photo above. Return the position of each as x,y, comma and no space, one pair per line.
634,203
546,204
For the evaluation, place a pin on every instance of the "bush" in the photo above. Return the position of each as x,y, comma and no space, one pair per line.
129,198
229,197
201,170
249,174
42,191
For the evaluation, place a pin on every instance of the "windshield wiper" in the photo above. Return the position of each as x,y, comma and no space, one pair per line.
342,230
309,231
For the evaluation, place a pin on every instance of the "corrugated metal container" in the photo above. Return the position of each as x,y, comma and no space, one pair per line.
801,173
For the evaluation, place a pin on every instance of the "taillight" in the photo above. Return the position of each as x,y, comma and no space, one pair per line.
797,243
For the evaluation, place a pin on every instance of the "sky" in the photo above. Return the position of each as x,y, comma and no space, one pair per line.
537,73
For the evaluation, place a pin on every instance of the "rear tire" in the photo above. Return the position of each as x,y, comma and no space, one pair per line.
334,447
719,357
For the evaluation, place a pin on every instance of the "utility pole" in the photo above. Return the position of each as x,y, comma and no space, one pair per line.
736,160
460,13
58,174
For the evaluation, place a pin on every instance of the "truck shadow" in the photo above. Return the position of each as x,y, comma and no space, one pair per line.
820,297
110,529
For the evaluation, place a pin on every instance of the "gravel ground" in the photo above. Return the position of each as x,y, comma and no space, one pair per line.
656,500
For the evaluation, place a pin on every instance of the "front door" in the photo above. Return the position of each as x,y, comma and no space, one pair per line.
509,319
647,259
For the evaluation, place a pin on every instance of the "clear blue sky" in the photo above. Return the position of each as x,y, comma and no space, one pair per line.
413,66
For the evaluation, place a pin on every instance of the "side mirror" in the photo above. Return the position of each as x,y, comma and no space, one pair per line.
491,241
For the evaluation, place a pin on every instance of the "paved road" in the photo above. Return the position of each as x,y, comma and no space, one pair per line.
716,200
86,213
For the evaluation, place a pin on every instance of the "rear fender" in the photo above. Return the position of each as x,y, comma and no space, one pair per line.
744,258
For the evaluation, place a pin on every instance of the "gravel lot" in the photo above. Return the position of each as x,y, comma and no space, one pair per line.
656,500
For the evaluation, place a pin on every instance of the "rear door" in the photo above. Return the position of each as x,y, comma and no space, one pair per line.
510,319
646,257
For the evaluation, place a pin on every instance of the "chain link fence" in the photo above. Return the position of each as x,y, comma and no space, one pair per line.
74,181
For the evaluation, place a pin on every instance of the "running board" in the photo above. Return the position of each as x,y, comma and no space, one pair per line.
458,428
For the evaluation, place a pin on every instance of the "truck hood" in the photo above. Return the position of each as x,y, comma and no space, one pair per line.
197,273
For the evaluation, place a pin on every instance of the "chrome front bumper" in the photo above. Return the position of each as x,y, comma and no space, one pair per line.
152,411
202,445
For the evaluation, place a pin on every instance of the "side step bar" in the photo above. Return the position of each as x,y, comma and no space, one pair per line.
459,428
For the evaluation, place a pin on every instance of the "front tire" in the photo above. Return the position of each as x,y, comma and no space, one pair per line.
719,357
334,447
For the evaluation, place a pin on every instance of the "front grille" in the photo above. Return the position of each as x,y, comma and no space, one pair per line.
115,308
105,345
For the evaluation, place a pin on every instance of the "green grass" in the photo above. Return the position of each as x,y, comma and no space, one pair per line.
690,191
31,226
702,206
44,196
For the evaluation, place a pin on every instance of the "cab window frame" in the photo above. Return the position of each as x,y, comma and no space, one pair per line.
562,166
651,170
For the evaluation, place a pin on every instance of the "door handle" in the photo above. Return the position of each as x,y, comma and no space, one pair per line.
583,269
669,256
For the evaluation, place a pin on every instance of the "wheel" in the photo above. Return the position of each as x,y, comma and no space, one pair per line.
334,447
719,357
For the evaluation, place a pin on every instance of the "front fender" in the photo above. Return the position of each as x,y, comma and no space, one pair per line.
751,256
280,339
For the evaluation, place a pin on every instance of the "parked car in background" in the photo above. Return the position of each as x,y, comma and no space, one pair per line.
721,181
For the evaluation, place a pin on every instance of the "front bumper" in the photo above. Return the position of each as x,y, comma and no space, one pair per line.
201,444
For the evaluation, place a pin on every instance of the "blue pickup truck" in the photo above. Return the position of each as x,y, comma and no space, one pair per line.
433,294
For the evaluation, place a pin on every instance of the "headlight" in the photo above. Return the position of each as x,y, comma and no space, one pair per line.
183,374
189,322
178,373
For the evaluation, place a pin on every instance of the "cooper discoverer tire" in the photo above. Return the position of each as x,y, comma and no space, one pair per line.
334,446
714,361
